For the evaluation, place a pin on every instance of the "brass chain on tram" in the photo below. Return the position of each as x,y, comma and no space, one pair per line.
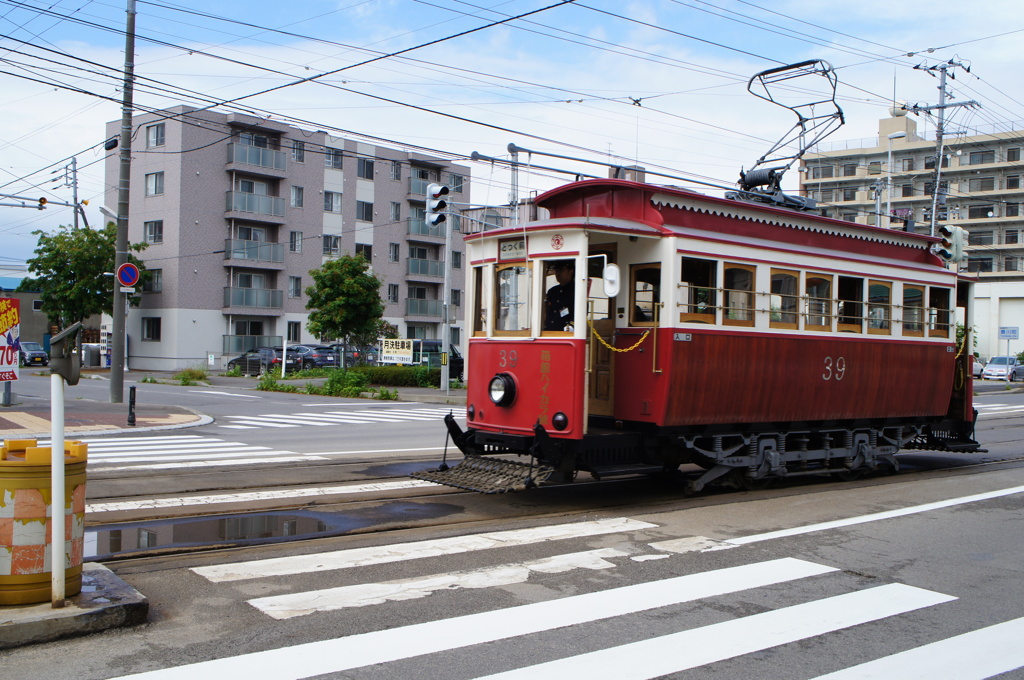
960,375
616,349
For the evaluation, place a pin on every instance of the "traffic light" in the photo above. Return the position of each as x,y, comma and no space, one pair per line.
65,353
42,202
951,249
436,205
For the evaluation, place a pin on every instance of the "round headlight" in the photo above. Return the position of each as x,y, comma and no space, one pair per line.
502,389
560,421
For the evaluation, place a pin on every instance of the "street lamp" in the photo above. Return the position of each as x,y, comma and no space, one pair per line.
888,179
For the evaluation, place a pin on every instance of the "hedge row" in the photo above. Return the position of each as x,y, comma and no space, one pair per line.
400,376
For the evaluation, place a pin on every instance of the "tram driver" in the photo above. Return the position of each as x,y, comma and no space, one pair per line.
558,303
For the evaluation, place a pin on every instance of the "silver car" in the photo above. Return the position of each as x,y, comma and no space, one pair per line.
1003,368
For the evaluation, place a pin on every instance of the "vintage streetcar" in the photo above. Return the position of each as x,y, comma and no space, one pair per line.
635,328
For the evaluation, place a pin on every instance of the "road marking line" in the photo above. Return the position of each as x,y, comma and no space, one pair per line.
979,654
153,503
863,519
365,594
355,651
210,463
259,422
661,656
228,394
262,452
399,552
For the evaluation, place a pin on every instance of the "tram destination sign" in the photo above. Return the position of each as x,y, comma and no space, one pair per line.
1009,333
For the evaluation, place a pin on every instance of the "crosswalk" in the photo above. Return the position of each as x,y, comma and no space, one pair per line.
693,620
362,416
111,454
987,410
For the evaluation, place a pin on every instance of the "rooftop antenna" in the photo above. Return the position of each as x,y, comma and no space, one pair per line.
816,89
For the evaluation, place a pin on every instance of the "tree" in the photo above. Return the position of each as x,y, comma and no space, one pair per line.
382,329
344,299
69,270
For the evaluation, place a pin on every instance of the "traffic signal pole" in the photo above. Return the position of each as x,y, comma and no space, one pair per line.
118,312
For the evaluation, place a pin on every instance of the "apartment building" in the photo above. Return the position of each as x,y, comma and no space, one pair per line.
236,211
889,181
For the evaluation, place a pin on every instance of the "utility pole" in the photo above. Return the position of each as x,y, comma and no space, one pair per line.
940,129
118,313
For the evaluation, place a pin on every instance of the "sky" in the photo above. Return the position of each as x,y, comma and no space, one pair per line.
658,83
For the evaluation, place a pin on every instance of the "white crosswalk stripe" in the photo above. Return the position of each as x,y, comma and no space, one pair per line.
814,600
363,416
182,451
995,410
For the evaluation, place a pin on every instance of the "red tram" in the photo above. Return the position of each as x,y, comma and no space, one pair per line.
639,327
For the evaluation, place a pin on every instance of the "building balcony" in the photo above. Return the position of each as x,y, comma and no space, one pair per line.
255,298
417,267
420,228
255,207
257,160
418,187
253,251
237,344
415,307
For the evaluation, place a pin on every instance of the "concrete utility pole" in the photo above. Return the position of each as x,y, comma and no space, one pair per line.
118,313
939,129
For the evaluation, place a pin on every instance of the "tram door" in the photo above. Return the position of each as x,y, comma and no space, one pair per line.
601,317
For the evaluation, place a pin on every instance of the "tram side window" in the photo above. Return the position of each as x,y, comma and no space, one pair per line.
851,304
739,294
785,301
479,313
818,289
699,290
599,305
938,312
879,307
913,310
512,300
646,293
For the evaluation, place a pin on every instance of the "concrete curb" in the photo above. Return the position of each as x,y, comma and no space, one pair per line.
105,602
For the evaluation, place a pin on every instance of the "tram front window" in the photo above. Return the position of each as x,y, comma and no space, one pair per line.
559,300
512,300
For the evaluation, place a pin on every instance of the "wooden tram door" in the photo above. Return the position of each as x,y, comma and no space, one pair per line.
601,316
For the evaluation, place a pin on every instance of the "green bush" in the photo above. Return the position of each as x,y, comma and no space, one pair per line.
268,383
400,376
190,376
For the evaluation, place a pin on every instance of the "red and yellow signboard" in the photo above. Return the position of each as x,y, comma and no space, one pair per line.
10,325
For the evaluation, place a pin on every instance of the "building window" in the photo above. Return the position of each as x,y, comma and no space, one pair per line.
875,168
982,184
849,194
1013,209
456,297
850,170
1013,182
396,170
151,328
1011,236
396,211
456,259
294,286
298,151
906,190
37,305
295,241
979,264
153,232
297,197
147,538
250,139
365,168
848,216
821,171
332,158
294,331
154,135
332,245
1012,155
930,186
394,251
908,164
1012,264
456,183
154,184
153,281
366,250
975,212
980,238
982,157
392,292
364,211
332,201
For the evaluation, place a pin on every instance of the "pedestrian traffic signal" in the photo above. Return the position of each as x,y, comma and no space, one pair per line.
436,205
951,248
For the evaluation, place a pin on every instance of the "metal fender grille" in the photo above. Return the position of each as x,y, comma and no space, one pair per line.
487,475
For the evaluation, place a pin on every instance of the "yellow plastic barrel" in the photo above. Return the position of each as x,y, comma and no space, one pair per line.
25,511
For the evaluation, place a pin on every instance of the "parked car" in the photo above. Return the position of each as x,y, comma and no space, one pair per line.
429,352
1003,368
977,369
319,356
33,354
356,356
263,359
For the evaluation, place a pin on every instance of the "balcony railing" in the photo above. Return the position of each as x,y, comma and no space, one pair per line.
425,267
258,251
418,186
256,204
258,156
421,228
266,298
237,344
417,307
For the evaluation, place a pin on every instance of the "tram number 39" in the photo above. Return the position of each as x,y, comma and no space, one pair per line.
507,359
835,369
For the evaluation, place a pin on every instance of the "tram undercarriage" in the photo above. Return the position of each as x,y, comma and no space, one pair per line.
738,457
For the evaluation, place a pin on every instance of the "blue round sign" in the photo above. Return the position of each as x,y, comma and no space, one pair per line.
128,274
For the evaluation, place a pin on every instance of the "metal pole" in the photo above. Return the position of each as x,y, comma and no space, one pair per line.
57,558
123,186
131,405
938,145
446,333
74,187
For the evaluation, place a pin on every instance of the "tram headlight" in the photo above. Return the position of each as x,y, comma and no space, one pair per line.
560,421
502,389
